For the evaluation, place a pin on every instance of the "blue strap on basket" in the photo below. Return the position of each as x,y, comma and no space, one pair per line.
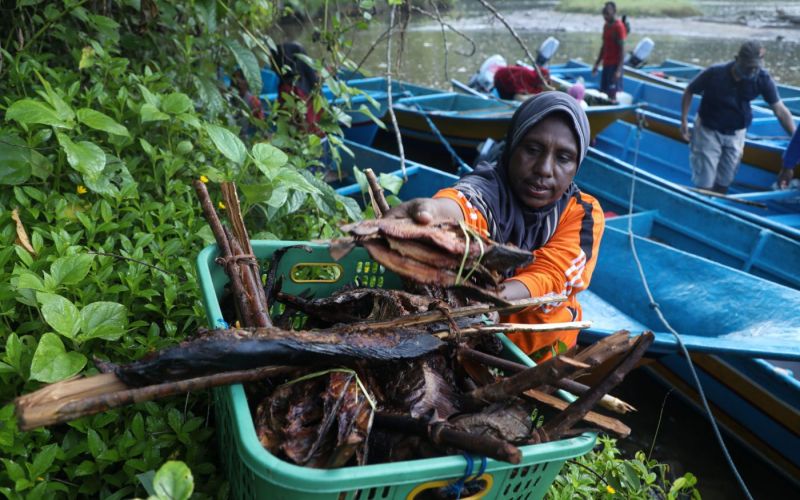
222,323
463,168
458,486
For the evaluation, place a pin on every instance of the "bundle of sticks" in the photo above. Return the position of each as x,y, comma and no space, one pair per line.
385,374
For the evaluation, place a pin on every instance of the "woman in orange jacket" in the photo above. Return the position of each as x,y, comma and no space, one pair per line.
528,198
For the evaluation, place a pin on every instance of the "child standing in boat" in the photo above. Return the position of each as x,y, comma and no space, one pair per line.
528,198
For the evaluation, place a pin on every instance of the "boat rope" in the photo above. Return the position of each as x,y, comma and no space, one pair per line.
463,168
654,305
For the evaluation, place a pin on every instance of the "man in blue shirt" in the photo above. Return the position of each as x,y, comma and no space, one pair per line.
717,141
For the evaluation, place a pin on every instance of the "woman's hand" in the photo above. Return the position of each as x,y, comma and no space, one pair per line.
427,210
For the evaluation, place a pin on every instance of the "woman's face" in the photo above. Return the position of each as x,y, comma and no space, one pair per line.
544,162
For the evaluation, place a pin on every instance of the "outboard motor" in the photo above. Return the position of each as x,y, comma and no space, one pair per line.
483,79
639,55
546,51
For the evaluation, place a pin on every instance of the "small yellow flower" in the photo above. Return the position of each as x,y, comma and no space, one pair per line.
204,179
81,189
610,489
221,205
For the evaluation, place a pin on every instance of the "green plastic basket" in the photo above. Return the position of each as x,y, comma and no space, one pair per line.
255,473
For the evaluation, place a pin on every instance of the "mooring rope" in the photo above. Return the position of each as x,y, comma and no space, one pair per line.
463,168
654,305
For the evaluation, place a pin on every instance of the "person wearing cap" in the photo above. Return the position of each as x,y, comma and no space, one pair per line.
528,198
717,141
612,52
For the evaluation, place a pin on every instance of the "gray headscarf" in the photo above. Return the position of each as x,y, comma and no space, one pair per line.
489,189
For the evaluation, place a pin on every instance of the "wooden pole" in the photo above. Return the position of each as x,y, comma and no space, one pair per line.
379,203
71,399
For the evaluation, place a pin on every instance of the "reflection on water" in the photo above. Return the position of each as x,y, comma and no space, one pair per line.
424,59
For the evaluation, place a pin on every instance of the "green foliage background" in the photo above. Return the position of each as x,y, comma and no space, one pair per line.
109,111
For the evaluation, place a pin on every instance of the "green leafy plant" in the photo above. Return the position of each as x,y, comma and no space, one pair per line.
108,112
603,473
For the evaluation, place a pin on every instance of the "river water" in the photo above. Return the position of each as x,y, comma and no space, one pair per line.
712,37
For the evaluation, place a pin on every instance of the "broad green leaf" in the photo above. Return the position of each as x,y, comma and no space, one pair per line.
106,320
59,313
292,179
631,476
361,179
149,97
173,481
43,460
176,103
150,113
96,444
248,64
101,121
207,10
9,427
14,470
28,111
15,160
53,98
27,279
351,207
256,193
14,350
52,363
227,143
268,158
278,198
87,58
146,480
71,270
390,182
85,157
209,94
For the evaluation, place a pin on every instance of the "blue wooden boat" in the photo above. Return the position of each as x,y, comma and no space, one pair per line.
668,159
465,121
722,314
660,111
687,221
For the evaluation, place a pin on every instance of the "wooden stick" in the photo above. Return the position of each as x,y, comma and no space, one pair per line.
556,426
71,399
519,327
242,305
607,401
379,204
459,312
252,285
445,435
607,424
261,312
545,373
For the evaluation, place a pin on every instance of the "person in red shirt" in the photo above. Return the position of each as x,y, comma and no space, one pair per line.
612,52
519,82
528,198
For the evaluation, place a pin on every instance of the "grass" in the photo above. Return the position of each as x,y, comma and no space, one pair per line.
670,8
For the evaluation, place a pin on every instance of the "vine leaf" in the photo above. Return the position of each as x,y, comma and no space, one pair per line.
101,121
51,362
227,143
248,63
